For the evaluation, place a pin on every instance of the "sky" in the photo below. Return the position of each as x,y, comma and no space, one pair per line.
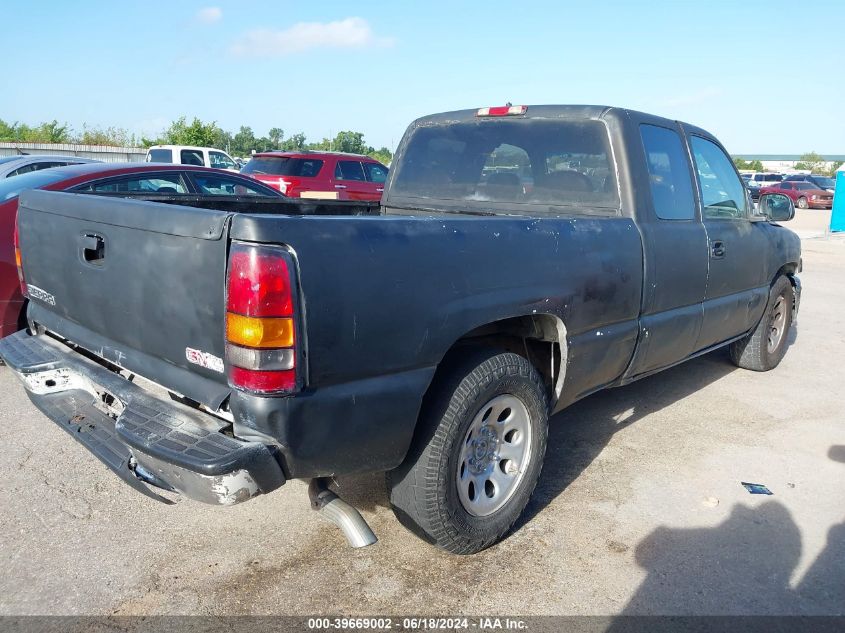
764,76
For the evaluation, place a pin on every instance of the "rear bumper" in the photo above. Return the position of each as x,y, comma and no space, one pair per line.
145,440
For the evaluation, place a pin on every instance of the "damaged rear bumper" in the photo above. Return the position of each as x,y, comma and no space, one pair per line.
145,440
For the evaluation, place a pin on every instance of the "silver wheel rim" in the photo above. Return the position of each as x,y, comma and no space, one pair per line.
802,203
776,324
495,455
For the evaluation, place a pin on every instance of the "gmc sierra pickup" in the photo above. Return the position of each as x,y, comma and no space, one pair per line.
522,258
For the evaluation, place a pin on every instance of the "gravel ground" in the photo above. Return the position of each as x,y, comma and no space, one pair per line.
639,510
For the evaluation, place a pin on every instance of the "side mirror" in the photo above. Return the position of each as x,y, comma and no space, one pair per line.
777,207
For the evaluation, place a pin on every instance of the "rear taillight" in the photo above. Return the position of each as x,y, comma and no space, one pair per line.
19,262
289,186
260,320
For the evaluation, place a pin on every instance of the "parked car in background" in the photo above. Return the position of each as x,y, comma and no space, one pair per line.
124,179
320,175
16,165
762,180
805,195
189,155
822,182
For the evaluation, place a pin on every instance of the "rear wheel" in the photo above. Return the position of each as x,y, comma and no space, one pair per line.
765,347
477,454
802,203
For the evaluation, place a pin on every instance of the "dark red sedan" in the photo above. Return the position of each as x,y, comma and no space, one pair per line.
805,195
141,179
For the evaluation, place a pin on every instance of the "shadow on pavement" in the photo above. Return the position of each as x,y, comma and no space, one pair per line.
579,433
740,567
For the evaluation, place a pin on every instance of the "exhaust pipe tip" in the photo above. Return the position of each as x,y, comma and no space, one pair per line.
334,509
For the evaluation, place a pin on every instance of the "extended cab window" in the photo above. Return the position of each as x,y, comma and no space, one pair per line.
668,172
512,162
722,193
191,157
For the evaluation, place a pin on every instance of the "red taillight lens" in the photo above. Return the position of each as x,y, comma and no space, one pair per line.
290,186
260,330
19,262
259,282
507,110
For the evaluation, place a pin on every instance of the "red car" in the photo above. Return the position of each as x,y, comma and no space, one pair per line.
320,175
804,194
123,179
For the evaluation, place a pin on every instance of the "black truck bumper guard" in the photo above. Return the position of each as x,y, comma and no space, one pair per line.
145,440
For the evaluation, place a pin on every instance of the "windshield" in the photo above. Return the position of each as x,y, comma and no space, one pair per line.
12,187
283,166
516,162
825,183
805,185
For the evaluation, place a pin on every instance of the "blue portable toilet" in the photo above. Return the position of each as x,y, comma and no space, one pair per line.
837,216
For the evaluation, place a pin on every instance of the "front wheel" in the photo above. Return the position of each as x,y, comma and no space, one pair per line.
765,347
802,203
477,454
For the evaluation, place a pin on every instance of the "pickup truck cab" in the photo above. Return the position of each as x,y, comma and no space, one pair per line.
522,258
191,155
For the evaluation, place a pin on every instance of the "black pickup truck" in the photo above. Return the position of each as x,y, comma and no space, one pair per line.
522,258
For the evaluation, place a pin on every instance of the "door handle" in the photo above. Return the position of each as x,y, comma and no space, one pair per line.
93,248
340,186
718,250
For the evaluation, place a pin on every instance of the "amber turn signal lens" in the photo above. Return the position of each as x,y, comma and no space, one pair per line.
259,332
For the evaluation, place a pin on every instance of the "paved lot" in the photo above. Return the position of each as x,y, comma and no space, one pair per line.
640,510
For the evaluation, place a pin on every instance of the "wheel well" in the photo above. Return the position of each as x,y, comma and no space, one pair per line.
787,270
540,338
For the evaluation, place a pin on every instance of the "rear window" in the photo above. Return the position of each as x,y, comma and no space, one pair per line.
160,156
283,166
11,187
510,162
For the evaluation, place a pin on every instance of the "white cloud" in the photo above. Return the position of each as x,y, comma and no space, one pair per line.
209,15
303,36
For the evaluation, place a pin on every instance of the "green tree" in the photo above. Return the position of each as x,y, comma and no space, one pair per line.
116,136
811,161
295,143
754,165
348,141
383,155
276,136
243,142
48,132
196,133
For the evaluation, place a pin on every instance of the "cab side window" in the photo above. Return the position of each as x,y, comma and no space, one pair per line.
669,174
722,193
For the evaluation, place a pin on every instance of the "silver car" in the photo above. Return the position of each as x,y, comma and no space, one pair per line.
17,165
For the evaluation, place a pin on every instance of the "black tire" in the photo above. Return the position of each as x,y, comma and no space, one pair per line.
424,488
754,351
802,203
